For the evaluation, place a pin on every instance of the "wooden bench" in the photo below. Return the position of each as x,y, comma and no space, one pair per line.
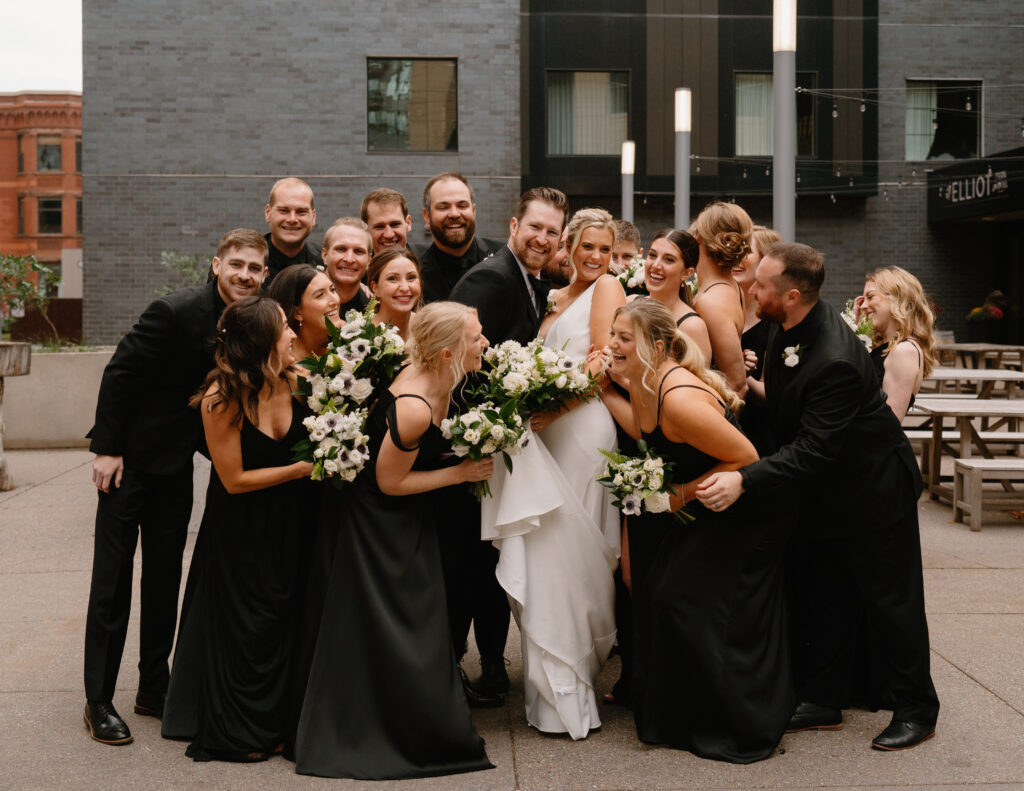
923,437
968,476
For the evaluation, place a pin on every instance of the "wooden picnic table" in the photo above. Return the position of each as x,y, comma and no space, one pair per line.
985,355
986,378
1008,412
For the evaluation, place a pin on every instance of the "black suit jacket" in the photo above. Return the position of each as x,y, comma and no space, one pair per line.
840,451
440,271
142,412
495,287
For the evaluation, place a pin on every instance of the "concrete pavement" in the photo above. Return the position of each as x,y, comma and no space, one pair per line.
975,597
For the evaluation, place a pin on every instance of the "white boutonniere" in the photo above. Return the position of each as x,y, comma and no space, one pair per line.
552,304
791,355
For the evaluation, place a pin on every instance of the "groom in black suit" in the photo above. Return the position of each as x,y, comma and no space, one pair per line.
845,467
144,439
511,300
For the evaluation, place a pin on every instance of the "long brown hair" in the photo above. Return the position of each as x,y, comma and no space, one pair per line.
245,356
689,253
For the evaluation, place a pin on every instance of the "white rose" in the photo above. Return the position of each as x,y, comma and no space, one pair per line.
655,480
650,464
514,383
446,428
791,360
548,357
331,467
657,502
488,448
349,474
471,417
460,450
562,381
360,390
471,435
497,432
617,480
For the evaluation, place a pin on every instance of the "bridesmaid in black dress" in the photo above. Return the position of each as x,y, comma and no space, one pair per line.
384,699
711,659
227,689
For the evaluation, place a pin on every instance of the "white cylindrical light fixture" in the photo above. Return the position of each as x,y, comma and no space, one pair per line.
683,109
784,26
684,121
628,168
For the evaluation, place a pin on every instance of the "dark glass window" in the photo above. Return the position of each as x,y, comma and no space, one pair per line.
50,215
78,216
754,114
587,112
21,215
943,119
21,153
78,155
48,152
412,104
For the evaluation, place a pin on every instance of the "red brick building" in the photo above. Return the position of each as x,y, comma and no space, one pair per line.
40,174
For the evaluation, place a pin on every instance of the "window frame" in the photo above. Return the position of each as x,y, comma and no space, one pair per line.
41,146
547,110
455,62
978,82
811,86
59,200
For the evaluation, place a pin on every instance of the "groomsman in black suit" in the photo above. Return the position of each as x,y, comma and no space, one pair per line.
291,215
511,300
844,465
144,438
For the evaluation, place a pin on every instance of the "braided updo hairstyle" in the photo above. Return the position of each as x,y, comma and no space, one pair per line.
724,231
434,328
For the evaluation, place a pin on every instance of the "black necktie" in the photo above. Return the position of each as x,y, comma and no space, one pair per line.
540,293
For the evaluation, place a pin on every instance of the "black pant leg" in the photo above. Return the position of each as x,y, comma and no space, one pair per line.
110,592
164,527
886,567
491,613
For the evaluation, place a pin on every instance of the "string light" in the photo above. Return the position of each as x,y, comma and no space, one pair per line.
835,110
967,106
863,106
744,172
833,197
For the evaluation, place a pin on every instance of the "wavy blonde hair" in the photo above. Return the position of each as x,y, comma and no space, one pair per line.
909,310
724,230
434,328
653,322
581,221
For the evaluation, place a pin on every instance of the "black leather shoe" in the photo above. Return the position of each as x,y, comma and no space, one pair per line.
476,698
150,704
902,735
812,717
493,676
105,724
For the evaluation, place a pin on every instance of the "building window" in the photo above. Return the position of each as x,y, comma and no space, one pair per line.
21,153
21,216
48,152
412,104
50,216
943,119
78,216
754,116
587,112
78,155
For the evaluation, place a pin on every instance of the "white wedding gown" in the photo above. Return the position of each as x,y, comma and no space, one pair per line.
559,539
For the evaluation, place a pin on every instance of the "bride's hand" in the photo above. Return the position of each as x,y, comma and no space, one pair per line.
473,471
542,420
598,361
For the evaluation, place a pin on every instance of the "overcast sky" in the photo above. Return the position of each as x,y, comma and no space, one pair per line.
41,45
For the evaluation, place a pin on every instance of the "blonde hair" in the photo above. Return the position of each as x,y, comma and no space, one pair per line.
581,221
763,238
724,231
909,310
653,322
434,328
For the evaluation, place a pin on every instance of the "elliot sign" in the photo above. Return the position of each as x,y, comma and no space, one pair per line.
977,189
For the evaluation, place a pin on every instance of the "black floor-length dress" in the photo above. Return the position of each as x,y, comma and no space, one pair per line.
383,698
712,667
228,681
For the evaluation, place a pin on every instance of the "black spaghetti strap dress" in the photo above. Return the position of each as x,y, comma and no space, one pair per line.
383,698
712,666
228,683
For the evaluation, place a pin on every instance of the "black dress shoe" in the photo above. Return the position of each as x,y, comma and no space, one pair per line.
493,676
812,717
902,735
105,724
150,704
476,698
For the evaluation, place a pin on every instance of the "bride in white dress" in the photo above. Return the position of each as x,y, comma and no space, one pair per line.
555,525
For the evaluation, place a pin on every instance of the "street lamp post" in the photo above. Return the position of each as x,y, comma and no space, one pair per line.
628,168
784,123
683,125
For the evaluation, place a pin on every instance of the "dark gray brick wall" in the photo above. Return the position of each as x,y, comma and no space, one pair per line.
193,109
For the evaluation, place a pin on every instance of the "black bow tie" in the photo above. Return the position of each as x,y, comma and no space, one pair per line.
540,287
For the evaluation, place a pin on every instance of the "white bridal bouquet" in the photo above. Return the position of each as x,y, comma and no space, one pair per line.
864,329
483,431
632,279
360,357
638,483
536,378
336,445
